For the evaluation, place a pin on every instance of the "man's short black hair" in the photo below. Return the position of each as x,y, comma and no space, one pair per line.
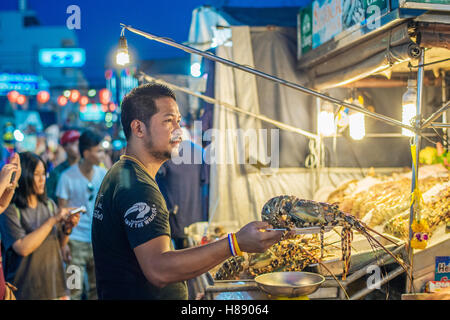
88,139
139,104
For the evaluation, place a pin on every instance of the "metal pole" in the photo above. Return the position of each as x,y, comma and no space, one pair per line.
434,116
444,115
289,84
415,169
319,148
440,125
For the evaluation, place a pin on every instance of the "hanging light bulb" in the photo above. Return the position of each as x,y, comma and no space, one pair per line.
409,106
21,99
122,55
357,125
325,121
356,121
196,70
12,96
42,97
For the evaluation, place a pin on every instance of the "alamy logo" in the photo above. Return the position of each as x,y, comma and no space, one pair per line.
74,20
74,278
374,280
137,216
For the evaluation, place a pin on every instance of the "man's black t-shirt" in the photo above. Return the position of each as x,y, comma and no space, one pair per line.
129,211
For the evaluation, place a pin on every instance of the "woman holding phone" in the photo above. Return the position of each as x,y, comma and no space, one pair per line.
9,175
33,232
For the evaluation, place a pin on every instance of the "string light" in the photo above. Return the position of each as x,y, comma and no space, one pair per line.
356,121
122,55
325,122
357,125
409,106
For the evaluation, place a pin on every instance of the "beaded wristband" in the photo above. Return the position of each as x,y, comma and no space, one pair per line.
236,245
230,243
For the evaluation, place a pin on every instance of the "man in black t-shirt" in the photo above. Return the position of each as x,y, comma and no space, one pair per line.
134,258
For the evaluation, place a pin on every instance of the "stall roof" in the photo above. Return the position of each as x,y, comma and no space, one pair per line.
278,16
391,48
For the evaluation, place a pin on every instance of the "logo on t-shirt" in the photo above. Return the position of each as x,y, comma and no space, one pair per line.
137,216
99,208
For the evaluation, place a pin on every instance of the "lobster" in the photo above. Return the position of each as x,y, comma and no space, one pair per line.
290,212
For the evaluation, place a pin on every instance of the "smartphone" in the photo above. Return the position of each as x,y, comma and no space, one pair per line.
81,209
13,177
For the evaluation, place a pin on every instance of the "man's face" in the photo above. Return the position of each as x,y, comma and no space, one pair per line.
94,155
71,149
164,133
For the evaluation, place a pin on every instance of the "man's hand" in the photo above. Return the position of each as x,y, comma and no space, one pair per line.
71,221
253,237
66,254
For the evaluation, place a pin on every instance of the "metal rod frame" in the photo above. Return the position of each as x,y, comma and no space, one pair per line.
435,115
415,169
440,125
289,84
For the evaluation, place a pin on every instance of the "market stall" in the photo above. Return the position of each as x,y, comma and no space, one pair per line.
238,192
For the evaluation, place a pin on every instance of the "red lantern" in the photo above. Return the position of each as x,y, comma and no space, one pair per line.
84,100
21,99
104,108
12,96
74,95
104,96
112,107
108,74
43,97
62,101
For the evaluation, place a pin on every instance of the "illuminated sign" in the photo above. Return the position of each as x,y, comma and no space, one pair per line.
92,112
62,58
27,84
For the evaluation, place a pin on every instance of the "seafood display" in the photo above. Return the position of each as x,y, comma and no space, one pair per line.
384,201
291,212
435,212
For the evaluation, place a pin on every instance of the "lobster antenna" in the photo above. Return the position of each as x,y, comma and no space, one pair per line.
323,265
402,264
381,235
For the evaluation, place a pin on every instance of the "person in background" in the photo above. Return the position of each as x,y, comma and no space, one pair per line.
78,186
69,142
180,182
9,175
33,232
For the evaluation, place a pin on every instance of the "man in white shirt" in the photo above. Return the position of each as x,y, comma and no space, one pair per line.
78,186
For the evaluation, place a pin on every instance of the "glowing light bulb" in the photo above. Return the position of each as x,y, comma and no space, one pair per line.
122,58
196,70
357,126
326,123
18,135
409,107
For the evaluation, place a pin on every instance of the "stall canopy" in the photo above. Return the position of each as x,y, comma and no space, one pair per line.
376,44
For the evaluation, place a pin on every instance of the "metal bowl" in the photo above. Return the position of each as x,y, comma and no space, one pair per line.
289,284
